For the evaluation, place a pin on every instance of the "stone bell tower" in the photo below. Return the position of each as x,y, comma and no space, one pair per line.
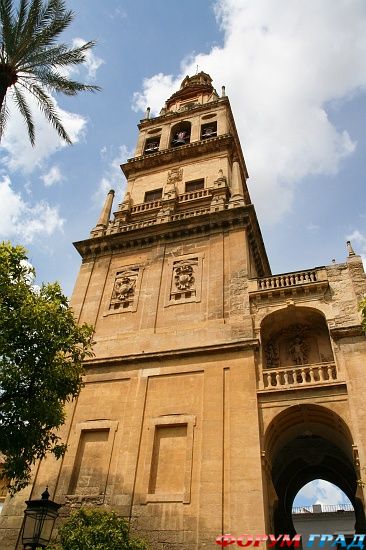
217,390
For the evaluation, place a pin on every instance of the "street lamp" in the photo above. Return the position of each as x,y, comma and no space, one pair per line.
39,518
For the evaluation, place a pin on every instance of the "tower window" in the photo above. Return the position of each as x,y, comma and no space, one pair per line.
181,134
194,185
154,195
209,130
152,145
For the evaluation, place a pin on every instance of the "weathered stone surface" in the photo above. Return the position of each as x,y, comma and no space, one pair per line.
206,367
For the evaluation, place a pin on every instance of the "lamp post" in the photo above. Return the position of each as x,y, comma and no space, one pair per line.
39,519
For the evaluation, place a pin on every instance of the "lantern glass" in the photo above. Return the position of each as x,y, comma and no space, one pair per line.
40,516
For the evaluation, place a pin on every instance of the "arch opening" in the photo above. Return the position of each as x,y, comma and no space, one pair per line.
180,134
305,443
322,507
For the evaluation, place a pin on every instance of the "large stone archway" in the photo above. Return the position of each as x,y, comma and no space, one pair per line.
303,443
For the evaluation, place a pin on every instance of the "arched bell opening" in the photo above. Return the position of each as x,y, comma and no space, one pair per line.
180,134
303,443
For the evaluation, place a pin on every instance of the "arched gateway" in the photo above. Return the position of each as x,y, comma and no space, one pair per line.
217,389
305,442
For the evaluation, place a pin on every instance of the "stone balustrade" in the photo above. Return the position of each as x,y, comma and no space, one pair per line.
190,213
299,376
136,225
146,206
288,279
194,195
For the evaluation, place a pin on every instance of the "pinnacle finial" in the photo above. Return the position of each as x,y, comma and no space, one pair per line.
45,495
223,93
351,252
106,210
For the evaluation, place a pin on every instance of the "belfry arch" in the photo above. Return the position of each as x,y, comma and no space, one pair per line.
302,443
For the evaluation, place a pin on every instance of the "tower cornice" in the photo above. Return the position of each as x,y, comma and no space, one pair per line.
136,238
181,114
176,154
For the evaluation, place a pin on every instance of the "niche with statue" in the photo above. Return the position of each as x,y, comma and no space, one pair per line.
294,337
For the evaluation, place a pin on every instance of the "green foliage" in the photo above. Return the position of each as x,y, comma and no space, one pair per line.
89,529
32,62
41,354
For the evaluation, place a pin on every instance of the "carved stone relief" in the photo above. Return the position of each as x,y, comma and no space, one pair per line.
272,355
186,279
290,345
170,195
174,175
297,343
124,289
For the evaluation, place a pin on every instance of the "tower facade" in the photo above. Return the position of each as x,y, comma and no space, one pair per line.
217,390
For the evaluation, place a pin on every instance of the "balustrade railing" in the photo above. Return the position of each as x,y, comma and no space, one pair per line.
145,206
190,213
287,279
193,195
299,375
320,508
137,225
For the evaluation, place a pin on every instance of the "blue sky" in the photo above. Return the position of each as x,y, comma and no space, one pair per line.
296,79
295,73
320,491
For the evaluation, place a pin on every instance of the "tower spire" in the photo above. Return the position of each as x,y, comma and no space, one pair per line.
105,214
350,250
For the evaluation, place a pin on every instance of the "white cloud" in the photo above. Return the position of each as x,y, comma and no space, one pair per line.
281,68
91,63
113,177
19,153
155,91
52,176
119,13
320,492
20,219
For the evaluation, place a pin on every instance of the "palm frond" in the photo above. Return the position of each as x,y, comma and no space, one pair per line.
47,107
6,18
20,20
48,24
58,56
25,111
42,26
58,83
31,58
4,115
29,22
54,21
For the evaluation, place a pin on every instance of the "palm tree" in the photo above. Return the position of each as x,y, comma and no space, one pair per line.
33,63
